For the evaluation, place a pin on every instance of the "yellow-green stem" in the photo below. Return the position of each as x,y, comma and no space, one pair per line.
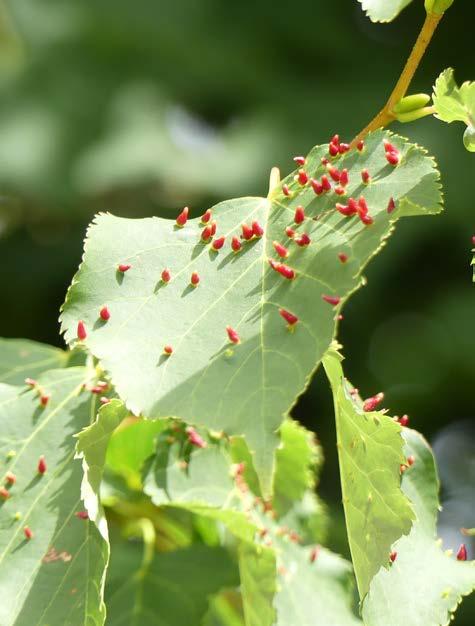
386,115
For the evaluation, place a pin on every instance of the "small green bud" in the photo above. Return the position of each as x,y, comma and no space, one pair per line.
411,103
438,6
412,116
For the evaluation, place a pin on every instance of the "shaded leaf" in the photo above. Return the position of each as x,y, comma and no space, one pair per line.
383,10
243,389
370,453
55,578
398,596
173,589
456,104
22,358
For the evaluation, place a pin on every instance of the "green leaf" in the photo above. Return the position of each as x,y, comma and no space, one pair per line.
263,543
370,452
55,578
383,10
22,358
173,589
130,445
456,104
91,448
244,389
424,585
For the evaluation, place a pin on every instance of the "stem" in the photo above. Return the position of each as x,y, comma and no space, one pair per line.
386,115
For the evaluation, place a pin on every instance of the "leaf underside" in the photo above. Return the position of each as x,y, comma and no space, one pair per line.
243,389
383,10
22,358
424,585
370,452
56,577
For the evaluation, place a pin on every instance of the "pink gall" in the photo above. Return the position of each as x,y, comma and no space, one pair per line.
81,331
300,160
326,184
334,173
280,249
462,553
232,335
316,186
285,190
303,240
247,232
82,514
206,233
404,420
194,438
165,275
290,232
360,145
205,218
391,205
371,403
10,478
365,176
41,465
218,243
28,533
4,493
343,257
104,314
183,217
195,279
31,382
289,317
344,178
340,191
333,300
302,178
283,270
123,267
299,216
257,229
168,350
393,556
236,245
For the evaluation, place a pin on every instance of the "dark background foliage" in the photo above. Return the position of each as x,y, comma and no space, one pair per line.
138,108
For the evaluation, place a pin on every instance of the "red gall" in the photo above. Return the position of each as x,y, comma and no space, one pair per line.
333,149
393,158
123,267
280,249
205,218
285,190
10,478
404,420
28,533
371,403
340,191
82,514
81,331
326,184
402,468
343,147
343,257
4,493
195,279
218,243
183,217
300,160
335,140
236,245
365,177
194,438
214,226
41,465
362,207
462,553
324,161
367,220
283,270
313,554
257,229
168,350
316,186
299,215
389,147
303,240
97,389
104,313
344,177
165,275
391,205
289,317
411,460
44,399
360,145
206,233
333,300
302,177
334,173
393,556
339,317
345,209
290,232
232,335
247,232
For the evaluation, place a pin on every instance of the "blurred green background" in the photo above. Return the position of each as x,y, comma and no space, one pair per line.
138,108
